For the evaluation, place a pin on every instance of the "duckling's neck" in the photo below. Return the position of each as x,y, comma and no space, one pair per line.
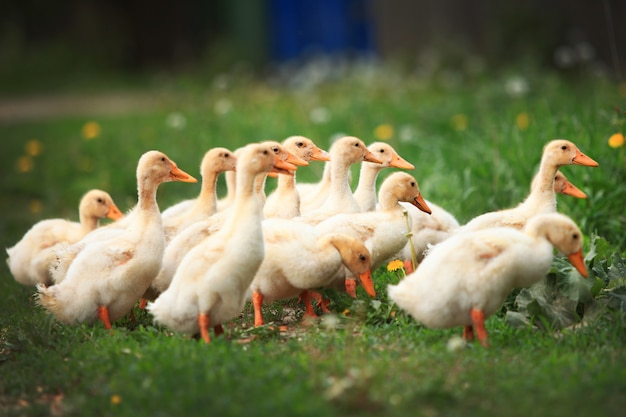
207,199
147,190
230,177
259,187
365,193
247,204
340,178
88,223
388,201
286,182
542,195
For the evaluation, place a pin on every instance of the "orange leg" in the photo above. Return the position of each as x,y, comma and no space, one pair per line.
321,302
257,302
351,287
408,266
219,330
142,303
478,318
203,322
308,307
103,315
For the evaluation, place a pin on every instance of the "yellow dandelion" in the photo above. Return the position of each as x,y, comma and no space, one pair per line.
116,399
395,265
459,122
616,140
25,164
35,206
522,121
91,130
383,132
33,147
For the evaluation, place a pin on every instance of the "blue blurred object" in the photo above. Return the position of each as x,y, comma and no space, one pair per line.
300,27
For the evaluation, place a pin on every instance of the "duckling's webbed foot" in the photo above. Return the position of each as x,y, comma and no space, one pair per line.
321,302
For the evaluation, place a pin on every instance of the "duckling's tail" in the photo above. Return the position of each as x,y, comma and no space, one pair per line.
50,299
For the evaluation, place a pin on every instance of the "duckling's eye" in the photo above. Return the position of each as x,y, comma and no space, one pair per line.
382,151
362,258
162,159
413,184
264,151
556,178
100,200
275,149
564,147
575,236
356,144
300,144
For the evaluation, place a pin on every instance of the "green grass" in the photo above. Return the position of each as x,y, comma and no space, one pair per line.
368,358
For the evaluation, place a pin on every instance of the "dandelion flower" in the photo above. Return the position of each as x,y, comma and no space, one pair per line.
395,265
516,86
407,133
319,115
616,140
459,122
455,343
176,120
222,106
522,121
24,164
91,130
33,147
116,399
383,131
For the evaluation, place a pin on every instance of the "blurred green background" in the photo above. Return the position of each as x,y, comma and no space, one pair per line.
72,43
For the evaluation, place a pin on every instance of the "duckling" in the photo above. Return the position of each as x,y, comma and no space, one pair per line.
466,278
109,274
209,286
29,259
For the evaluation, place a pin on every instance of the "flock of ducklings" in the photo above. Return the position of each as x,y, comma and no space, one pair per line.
196,264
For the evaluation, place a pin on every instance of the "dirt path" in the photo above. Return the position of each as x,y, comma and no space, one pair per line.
42,107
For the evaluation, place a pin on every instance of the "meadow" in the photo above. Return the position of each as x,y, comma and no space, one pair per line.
475,138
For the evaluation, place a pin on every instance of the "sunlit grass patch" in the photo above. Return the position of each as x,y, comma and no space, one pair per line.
475,146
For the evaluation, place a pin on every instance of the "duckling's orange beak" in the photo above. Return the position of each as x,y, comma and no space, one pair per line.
114,213
283,167
296,160
398,162
320,155
573,191
576,259
370,157
177,174
368,285
582,159
420,203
